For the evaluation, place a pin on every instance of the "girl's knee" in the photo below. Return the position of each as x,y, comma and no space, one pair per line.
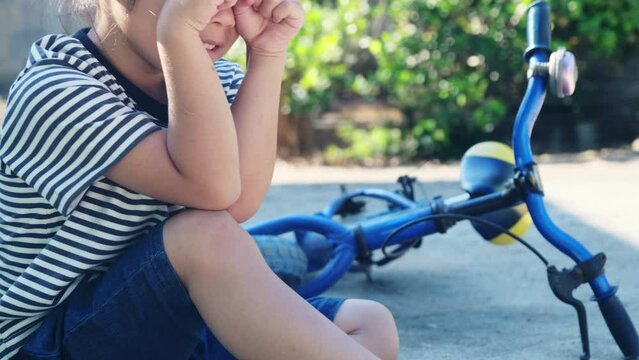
372,321
198,240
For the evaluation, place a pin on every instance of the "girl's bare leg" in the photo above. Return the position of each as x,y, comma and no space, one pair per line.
252,312
370,324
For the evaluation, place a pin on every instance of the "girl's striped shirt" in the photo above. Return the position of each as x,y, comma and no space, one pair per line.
68,119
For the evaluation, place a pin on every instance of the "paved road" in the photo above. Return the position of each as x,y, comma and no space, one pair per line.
460,298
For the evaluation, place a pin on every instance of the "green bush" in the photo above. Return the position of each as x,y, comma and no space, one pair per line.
453,67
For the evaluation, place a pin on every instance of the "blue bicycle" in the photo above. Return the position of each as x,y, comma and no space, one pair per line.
504,195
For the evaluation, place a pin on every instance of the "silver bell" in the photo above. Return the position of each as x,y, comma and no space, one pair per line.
563,72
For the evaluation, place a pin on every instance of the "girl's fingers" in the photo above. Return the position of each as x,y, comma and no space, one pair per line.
227,4
267,6
244,3
289,10
256,4
242,7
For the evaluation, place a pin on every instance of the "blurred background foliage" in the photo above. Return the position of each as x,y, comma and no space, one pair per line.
452,67
433,77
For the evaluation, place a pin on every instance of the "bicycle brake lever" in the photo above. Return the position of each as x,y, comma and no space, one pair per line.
564,282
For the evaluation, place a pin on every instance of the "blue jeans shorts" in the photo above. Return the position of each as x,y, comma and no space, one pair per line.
139,310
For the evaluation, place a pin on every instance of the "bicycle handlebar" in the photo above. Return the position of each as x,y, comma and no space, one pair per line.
538,50
620,325
390,197
538,28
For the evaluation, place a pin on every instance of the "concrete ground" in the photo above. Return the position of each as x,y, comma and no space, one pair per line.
458,297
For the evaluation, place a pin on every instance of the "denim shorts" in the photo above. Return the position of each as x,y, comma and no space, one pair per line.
138,309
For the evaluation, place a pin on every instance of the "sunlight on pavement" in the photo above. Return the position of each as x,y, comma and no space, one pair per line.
602,194
287,173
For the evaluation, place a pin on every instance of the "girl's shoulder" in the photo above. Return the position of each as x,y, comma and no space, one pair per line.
60,63
57,55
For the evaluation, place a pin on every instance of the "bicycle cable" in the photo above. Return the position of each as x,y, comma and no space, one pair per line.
455,216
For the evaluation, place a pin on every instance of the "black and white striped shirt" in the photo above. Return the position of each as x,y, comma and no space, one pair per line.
68,119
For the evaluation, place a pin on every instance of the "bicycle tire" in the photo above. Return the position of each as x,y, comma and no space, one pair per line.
285,258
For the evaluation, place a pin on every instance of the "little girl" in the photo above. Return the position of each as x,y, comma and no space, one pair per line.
124,176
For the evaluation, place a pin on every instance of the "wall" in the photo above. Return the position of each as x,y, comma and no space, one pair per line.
21,23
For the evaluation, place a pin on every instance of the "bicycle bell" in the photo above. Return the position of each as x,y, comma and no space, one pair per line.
561,70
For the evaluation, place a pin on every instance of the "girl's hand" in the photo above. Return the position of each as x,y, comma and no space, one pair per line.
268,26
191,14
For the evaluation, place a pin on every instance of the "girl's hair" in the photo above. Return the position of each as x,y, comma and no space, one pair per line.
79,13
86,5
74,14
79,5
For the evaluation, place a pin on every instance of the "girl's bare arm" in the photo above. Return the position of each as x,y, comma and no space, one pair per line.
267,27
255,111
195,162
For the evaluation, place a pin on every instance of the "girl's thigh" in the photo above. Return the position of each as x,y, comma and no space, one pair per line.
138,309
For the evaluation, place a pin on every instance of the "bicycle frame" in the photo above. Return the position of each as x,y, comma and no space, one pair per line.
373,232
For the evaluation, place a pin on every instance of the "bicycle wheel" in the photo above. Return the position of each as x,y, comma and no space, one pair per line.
287,260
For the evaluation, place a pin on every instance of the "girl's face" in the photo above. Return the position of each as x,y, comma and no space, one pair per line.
137,23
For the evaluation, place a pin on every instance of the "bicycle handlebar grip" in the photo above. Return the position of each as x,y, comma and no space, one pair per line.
538,28
620,326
